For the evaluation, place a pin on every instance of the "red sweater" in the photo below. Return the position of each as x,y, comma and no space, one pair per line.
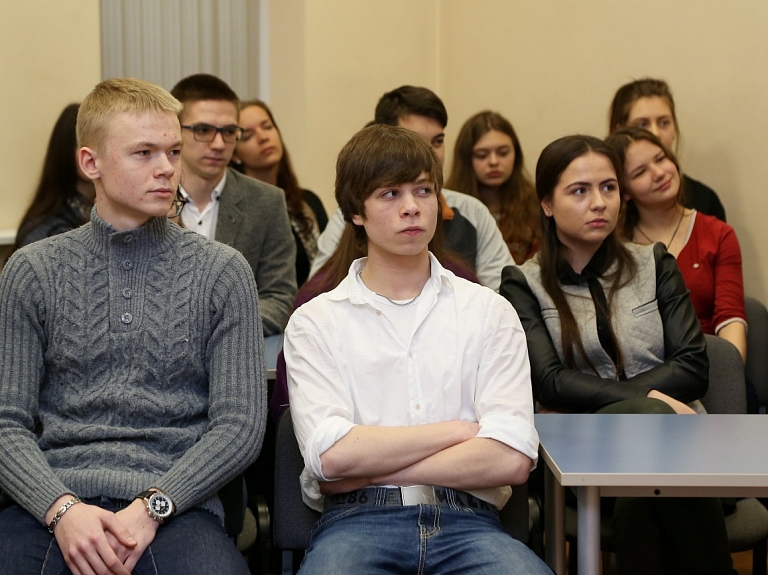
711,266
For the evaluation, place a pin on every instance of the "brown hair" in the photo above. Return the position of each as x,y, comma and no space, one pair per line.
628,94
518,221
286,177
410,100
620,141
58,179
378,155
553,161
198,87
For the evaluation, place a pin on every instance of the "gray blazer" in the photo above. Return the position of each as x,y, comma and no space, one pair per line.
253,219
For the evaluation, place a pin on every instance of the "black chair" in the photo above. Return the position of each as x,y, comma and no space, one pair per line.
756,367
293,520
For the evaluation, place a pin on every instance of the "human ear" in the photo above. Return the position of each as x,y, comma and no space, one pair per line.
546,205
88,160
357,220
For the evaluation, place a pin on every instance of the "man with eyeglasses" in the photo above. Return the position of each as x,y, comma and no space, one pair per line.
225,205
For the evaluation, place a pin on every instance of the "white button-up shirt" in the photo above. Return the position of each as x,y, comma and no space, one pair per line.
204,223
348,365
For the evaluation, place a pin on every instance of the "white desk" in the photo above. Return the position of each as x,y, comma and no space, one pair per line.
643,456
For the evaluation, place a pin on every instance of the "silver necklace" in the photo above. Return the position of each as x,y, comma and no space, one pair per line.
390,300
680,221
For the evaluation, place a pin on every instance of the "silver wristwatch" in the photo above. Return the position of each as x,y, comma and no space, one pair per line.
159,505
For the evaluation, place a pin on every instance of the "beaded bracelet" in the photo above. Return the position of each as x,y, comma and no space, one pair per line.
60,513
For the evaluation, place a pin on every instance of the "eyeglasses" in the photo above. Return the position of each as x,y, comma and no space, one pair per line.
177,205
207,133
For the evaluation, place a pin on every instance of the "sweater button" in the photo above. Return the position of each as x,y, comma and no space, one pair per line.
127,265
126,318
695,266
127,293
128,239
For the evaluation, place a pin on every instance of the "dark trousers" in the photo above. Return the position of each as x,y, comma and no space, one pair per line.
193,543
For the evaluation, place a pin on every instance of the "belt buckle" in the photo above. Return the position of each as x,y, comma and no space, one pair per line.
416,494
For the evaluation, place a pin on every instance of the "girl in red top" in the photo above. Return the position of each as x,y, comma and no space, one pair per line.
706,248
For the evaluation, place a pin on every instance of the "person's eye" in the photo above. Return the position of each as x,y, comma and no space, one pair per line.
579,191
389,194
268,126
641,124
480,155
665,123
247,135
231,131
176,152
143,153
610,187
438,142
203,130
425,191
503,153
637,174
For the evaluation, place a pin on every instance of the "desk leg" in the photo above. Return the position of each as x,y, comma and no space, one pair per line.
589,530
554,523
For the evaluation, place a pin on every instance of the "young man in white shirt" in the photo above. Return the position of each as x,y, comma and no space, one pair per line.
409,387
470,229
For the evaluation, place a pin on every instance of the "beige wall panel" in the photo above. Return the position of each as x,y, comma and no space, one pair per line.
552,68
353,52
49,57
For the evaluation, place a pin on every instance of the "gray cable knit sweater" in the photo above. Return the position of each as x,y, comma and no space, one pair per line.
128,360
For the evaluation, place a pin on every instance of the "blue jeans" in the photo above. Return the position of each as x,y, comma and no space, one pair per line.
190,544
415,539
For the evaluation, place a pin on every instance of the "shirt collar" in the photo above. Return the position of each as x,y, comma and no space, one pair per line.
594,269
351,287
217,190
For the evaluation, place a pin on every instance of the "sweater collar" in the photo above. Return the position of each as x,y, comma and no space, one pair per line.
151,235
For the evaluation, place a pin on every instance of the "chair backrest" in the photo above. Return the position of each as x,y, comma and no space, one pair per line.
293,520
727,391
757,347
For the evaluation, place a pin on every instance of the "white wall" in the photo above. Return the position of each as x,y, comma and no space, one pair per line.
49,57
550,66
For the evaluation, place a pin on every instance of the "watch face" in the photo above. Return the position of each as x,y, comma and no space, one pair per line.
160,504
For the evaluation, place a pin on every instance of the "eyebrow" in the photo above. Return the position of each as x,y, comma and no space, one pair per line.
154,144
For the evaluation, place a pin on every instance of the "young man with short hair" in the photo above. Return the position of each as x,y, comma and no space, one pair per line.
227,206
470,229
409,388
131,367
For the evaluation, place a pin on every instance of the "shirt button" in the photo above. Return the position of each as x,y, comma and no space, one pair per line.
127,265
127,293
695,266
126,318
418,407
128,239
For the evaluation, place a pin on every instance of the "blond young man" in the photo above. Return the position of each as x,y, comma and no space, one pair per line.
131,367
